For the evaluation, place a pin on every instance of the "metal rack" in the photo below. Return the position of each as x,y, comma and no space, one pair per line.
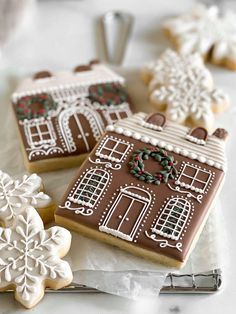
208,282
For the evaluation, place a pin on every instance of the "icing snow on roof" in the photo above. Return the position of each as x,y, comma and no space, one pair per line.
173,138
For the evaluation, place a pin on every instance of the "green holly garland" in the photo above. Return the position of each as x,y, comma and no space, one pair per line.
160,155
35,106
108,94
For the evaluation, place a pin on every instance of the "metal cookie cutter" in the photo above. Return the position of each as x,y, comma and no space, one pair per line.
116,28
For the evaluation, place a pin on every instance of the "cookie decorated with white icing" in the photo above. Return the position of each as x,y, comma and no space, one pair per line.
207,31
170,63
15,195
30,258
147,187
183,88
61,116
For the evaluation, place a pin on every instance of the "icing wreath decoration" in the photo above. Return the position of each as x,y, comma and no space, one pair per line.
108,94
37,106
168,163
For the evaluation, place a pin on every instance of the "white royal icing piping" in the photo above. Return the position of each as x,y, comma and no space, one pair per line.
29,256
204,29
68,81
212,155
190,95
16,194
195,140
171,64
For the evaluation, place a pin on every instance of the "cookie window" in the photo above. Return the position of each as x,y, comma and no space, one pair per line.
39,133
116,114
194,178
113,149
90,188
173,218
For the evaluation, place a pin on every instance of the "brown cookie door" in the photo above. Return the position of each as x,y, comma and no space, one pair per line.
82,132
81,128
126,213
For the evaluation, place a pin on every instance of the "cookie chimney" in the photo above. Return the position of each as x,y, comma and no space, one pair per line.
220,133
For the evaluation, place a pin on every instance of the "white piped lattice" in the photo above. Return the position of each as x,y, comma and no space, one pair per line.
88,191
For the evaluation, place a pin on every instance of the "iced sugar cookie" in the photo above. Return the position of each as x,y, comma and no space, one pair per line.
181,86
15,195
30,258
147,187
170,63
207,31
61,116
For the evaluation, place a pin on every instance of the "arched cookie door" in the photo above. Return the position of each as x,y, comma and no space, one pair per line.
126,213
81,127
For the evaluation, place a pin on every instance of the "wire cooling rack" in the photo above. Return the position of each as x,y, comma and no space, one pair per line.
208,282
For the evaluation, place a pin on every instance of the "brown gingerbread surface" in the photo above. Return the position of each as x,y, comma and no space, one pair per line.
65,114
149,184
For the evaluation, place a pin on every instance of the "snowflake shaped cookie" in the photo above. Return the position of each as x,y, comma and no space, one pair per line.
206,31
173,66
16,194
30,258
190,97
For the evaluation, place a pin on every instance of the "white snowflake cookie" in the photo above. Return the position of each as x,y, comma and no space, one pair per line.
170,63
30,258
207,31
15,195
181,86
173,66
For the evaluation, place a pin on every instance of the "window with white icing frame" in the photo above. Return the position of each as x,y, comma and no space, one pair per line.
113,149
40,132
126,213
120,112
194,178
173,218
90,188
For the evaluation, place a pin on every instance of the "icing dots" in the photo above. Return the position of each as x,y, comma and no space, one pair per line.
178,144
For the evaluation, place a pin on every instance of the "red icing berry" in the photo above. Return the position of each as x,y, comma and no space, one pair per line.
159,177
41,111
137,158
170,163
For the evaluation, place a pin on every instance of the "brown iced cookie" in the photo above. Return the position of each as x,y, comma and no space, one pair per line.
61,118
147,187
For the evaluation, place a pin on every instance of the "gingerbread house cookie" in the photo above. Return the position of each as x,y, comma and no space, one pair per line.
61,116
147,187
